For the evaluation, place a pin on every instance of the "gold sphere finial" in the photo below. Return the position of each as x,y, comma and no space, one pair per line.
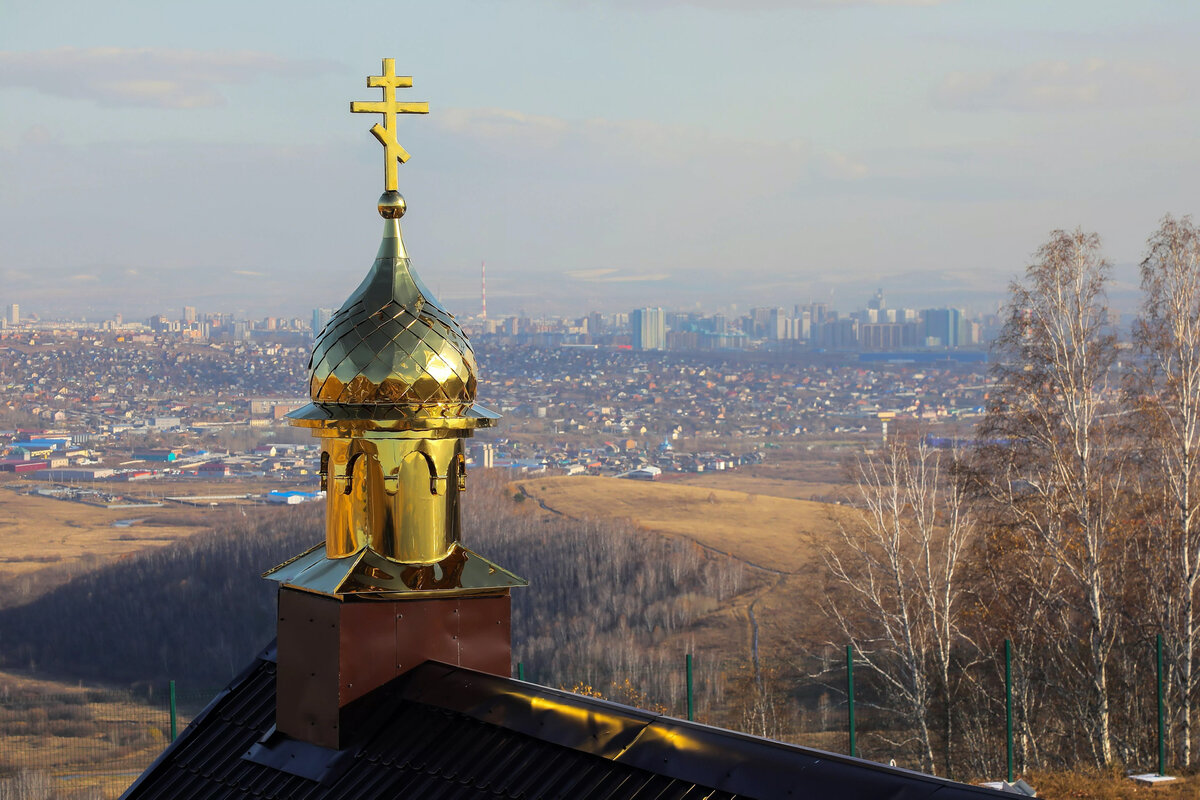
392,205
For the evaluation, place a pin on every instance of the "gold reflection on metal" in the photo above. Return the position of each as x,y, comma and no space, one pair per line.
379,486
391,343
368,574
392,379
389,81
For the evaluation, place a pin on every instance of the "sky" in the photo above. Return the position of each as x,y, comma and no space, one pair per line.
690,154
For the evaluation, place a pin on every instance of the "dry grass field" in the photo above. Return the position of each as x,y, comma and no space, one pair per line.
817,479
754,480
779,539
48,540
1093,786
79,738
40,531
774,533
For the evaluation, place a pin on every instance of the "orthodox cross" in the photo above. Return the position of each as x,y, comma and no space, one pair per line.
389,81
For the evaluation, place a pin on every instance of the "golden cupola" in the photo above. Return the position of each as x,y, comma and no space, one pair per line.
392,380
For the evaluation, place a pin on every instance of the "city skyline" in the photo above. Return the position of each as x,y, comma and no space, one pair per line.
879,307
878,327
595,155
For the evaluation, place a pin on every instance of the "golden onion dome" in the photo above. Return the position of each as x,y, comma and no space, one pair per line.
391,353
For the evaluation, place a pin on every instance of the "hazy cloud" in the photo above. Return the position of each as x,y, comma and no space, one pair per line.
37,135
1061,85
651,144
152,77
780,5
248,273
609,275
501,123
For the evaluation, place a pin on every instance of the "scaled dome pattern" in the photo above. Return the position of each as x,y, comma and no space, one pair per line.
392,344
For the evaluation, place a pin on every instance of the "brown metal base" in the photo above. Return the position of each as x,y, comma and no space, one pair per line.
333,652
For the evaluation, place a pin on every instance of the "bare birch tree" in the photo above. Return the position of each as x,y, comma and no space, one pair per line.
899,558
1168,335
1055,465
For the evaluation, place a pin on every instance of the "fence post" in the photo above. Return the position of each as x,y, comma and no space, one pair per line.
174,717
691,698
1008,714
850,697
1162,739
520,670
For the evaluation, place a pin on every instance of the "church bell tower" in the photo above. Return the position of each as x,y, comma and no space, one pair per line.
392,379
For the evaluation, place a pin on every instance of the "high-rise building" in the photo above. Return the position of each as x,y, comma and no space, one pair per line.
817,312
942,327
778,325
14,314
841,334
649,327
596,324
760,321
320,316
189,314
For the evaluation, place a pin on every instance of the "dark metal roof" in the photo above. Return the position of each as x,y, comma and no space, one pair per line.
447,732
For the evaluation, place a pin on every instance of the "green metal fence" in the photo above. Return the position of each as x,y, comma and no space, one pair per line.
92,743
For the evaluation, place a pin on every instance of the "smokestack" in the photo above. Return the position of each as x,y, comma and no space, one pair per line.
392,382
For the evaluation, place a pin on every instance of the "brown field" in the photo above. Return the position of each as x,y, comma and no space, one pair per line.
48,541
80,738
757,480
779,539
791,472
39,531
773,533
1064,785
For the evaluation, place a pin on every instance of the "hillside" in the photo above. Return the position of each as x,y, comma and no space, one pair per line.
774,624
47,541
773,533
602,599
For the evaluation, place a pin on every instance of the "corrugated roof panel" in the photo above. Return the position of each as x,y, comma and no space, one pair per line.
257,689
704,793
677,790
471,739
270,783
563,777
524,766
615,785
421,740
497,768
371,780
175,782
435,787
